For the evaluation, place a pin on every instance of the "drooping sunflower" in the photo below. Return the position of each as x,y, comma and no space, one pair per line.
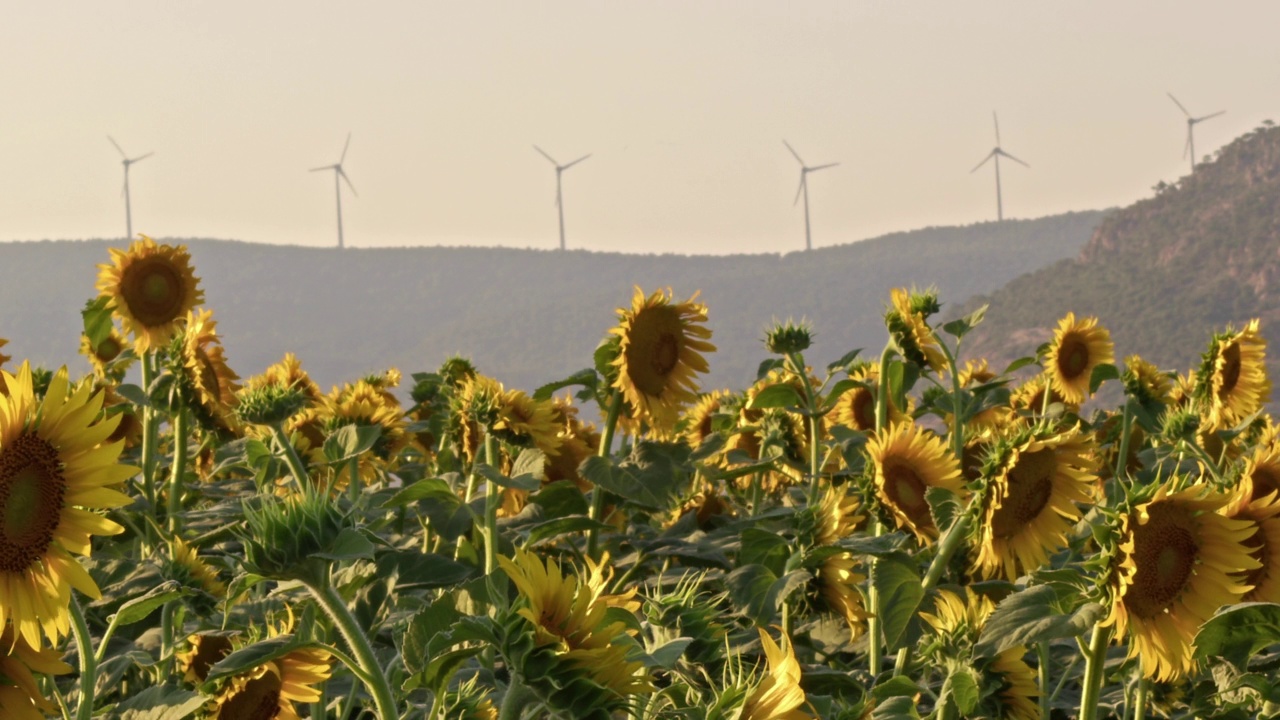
524,421
908,461
364,404
661,347
1179,561
475,407
837,577
1262,509
1032,501
105,352
204,650
287,373
1233,376
1078,346
197,572
152,288
56,471
856,408
20,696
212,382
578,441
269,691
907,320
779,695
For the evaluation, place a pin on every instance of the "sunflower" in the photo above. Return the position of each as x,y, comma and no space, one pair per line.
198,573
1029,396
56,470
1031,502
20,696
1146,382
778,696
4,358
1262,509
1077,348
856,408
698,418
364,404
268,691
1179,561
287,373
1233,376
475,407
104,353
525,421
578,441
152,288
707,504
908,325
212,383
908,461
204,650
661,347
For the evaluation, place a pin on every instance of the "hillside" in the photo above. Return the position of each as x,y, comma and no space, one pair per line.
1166,272
524,316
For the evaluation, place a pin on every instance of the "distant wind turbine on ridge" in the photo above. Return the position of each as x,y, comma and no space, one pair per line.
128,210
338,177
1190,148
997,153
803,189
559,194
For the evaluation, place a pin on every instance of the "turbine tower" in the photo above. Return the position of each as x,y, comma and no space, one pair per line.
996,153
340,176
559,196
804,190
128,210
1190,148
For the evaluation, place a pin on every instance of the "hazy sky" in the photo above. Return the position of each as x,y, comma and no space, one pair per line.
685,105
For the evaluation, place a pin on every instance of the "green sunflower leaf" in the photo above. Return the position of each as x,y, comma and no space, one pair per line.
1239,632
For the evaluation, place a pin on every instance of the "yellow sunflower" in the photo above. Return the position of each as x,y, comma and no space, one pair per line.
152,288
856,408
364,404
698,419
908,325
1179,561
269,691
1077,348
20,696
837,578
1263,511
523,420
287,373
106,351
203,651
908,461
661,347
475,407
1146,382
56,471
1262,470
199,573
1029,396
778,696
1233,376
1032,502
578,441
205,365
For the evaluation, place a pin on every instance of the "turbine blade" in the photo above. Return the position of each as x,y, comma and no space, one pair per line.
799,188
326,167
996,119
984,162
1013,158
544,154
793,152
344,177
113,142
1175,102
140,158
1206,117
575,162
344,150
822,167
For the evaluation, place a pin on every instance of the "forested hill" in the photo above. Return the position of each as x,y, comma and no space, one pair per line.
524,316
1165,272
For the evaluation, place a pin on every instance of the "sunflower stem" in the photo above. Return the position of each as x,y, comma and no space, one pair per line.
88,660
374,678
957,423
947,547
296,468
1094,661
1042,674
148,437
515,701
811,413
597,494
180,432
353,487
875,643
1140,698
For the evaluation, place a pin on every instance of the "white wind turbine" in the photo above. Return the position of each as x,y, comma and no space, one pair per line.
559,195
804,190
338,177
996,153
1190,149
128,210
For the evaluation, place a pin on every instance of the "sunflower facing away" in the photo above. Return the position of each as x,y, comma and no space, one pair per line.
205,366
1233,376
778,696
1077,348
661,347
1179,561
908,324
909,460
288,373
55,472
20,696
152,288
269,691
1031,502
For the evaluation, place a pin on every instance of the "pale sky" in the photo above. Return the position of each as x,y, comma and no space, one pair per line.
684,105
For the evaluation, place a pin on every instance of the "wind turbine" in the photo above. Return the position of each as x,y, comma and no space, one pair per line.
338,175
996,153
559,196
1190,148
128,210
804,190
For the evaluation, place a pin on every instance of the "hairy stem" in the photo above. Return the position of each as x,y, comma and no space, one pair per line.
374,679
597,494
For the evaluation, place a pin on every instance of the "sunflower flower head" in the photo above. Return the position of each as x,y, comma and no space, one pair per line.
525,422
57,469
687,610
909,461
270,690
288,374
661,347
108,356
908,322
789,337
457,370
1232,381
203,651
1078,346
269,404
856,407
283,538
1261,507
1145,383
778,696
190,570
207,384
20,694
151,287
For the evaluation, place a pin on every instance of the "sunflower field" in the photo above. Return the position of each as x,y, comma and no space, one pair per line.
902,534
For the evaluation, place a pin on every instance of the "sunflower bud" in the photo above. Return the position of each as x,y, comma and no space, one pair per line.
789,337
270,404
292,539
457,370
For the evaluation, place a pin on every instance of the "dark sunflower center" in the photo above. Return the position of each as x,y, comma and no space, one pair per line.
209,650
864,409
1230,369
128,427
1029,488
704,425
1073,357
259,699
1165,552
1266,480
108,350
153,290
654,349
905,487
31,500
